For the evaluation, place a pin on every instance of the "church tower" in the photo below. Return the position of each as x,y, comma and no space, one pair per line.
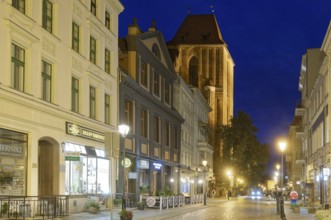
201,57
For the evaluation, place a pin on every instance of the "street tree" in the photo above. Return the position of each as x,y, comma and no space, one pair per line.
241,149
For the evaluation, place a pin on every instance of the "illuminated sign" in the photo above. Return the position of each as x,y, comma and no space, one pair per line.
157,165
144,164
326,171
126,163
83,132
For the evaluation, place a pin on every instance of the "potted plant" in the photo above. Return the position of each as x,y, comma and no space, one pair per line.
92,206
126,214
296,208
141,205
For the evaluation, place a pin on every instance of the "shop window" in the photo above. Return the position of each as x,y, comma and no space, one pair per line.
89,174
13,162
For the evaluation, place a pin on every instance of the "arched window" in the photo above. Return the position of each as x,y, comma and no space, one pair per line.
193,72
156,50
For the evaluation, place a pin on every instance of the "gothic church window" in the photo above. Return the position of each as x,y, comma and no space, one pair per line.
193,72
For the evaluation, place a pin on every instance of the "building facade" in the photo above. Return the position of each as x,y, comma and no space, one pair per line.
313,86
146,105
195,148
58,97
201,57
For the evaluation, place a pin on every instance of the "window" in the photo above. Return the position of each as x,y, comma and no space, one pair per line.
144,123
46,86
107,20
92,102
193,72
156,51
47,15
175,138
75,37
74,94
107,109
167,134
93,50
167,90
156,129
128,111
156,84
94,7
19,5
17,67
144,74
107,61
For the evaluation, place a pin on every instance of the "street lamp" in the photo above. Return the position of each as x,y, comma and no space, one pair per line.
204,163
123,129
282,147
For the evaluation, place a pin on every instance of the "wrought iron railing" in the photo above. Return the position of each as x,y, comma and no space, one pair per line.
34,207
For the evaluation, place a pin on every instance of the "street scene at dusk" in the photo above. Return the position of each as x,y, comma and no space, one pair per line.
173,110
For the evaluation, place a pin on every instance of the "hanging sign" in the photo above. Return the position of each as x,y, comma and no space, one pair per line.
126,163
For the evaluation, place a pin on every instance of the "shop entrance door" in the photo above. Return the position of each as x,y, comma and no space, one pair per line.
48,169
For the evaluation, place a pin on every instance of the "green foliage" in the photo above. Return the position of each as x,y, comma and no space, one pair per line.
126,213
323,215
144,189
91,203
165,192
4,208
242,150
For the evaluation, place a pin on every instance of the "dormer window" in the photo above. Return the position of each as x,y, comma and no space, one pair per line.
156,51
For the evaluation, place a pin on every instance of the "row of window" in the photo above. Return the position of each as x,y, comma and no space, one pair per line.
47,13
17,80
47,24
158,129
146,72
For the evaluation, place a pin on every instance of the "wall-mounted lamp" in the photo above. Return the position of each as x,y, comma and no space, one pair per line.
63,146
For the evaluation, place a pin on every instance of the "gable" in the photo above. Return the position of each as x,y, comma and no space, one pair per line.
154,43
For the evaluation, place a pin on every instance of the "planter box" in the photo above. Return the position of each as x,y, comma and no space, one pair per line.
296,209
311,210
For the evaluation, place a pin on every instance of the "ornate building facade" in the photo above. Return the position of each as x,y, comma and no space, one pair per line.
201,57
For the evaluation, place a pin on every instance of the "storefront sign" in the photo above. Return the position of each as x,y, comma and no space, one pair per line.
132,175
83,132
144,164
15,150
157,165
326,171
72,156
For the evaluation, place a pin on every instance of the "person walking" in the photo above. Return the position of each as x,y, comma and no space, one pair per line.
229,194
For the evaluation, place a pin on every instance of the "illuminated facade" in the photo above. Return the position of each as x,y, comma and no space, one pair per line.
146,105
201,57
58,97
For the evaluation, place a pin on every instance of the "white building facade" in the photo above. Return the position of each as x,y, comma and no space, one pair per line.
194,108
58,97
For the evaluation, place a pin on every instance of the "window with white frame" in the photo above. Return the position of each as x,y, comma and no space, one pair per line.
94,7
144,123
107,109
75,94
92,102
167,93
19,5
107,61
17,67
93,50
156,84
46,86
157,129
75,37
107,20
47,19
144,74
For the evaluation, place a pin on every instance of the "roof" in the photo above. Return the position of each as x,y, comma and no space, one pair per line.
198,29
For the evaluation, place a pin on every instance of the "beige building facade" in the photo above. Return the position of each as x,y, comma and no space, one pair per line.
59,97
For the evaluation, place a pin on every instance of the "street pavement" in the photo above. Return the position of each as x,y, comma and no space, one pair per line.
241,208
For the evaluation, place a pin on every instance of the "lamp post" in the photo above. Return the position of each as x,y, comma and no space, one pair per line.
204,163
123,129
282,147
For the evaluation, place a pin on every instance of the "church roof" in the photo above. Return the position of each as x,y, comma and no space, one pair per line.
198,29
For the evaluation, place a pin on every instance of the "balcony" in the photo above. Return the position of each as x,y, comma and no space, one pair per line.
299,131
299,109
299,158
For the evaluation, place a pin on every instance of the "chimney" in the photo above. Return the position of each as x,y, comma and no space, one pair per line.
152,27
134,28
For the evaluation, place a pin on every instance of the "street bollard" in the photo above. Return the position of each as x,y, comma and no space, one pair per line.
282,212
277,204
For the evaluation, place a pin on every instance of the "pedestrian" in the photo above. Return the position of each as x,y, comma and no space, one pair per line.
213,192
229,194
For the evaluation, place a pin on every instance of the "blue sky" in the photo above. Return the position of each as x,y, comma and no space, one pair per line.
266,39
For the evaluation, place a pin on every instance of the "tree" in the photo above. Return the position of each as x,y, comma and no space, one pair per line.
242,150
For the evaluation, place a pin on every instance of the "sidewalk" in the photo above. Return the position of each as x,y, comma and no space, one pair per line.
156,214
